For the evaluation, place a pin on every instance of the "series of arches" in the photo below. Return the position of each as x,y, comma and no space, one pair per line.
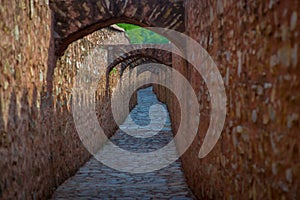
131,56
75,19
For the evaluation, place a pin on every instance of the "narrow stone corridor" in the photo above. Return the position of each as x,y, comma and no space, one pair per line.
97,181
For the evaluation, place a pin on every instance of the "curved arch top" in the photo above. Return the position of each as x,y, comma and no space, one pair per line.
134,55
122,53
75,19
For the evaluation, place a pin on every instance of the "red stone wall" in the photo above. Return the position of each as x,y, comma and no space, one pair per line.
255,45
39,146
80,54
25,165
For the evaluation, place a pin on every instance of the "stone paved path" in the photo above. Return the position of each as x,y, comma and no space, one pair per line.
97,181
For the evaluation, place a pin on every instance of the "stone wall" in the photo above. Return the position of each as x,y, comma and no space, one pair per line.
25,165
255,46
84,55
39,146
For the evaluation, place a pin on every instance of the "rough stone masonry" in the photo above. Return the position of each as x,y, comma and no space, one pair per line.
254,44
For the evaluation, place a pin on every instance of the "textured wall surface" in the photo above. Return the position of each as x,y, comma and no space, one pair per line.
75,19
83,56
39,146
25,164
255,45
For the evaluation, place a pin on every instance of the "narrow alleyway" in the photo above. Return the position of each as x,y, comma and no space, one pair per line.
97,181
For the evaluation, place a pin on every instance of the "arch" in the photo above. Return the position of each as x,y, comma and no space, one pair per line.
131,63
140,54
75,19
138,62
122,53
149,68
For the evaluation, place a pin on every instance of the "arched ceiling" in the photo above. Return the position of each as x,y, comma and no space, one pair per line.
75,19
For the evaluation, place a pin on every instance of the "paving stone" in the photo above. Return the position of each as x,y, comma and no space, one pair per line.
96,181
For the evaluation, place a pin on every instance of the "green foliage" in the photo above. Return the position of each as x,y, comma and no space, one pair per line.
113,71
138,35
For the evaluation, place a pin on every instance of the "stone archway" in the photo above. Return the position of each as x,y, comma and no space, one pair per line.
74,19
128,53
133,55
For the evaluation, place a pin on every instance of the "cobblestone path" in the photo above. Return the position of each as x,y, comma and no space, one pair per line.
96,181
